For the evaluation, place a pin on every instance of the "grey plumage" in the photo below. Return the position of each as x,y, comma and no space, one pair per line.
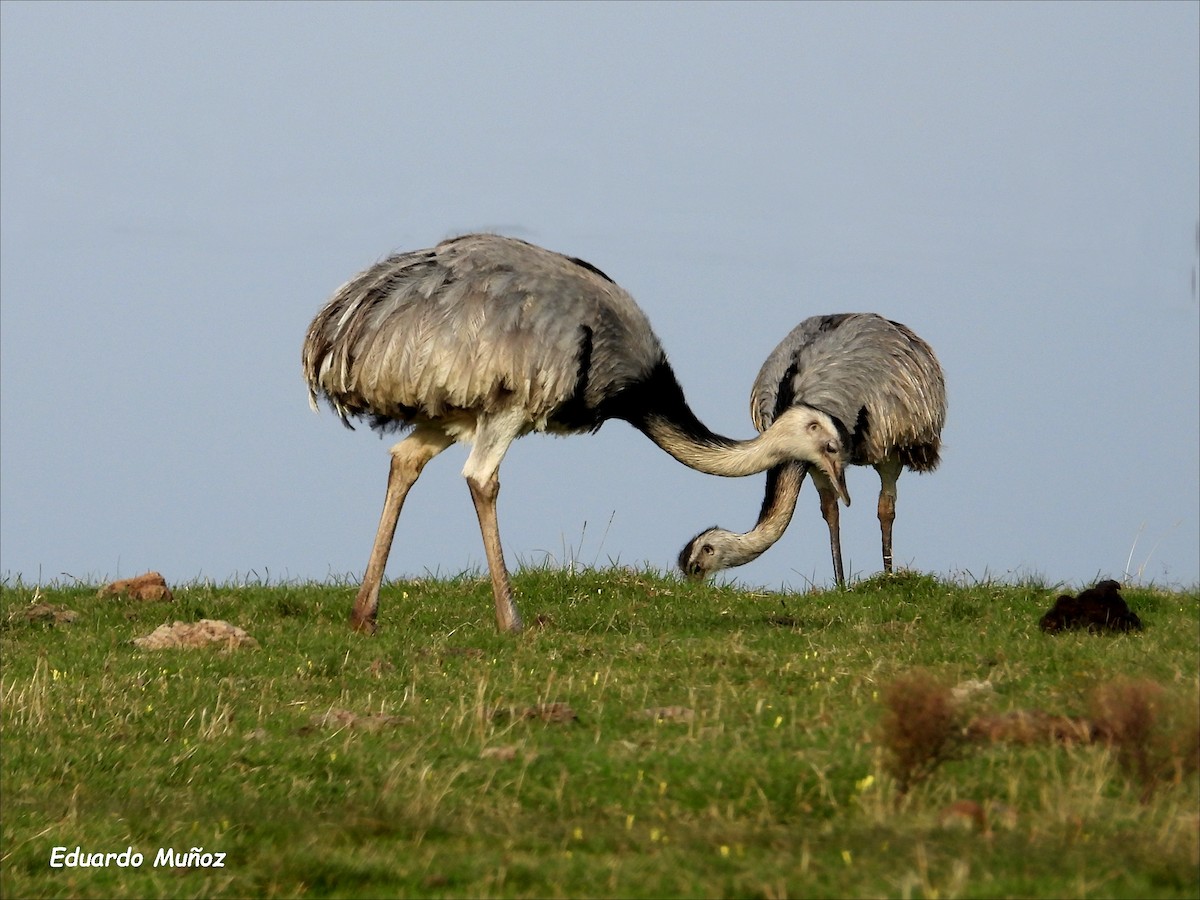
885,391
478,324
482,339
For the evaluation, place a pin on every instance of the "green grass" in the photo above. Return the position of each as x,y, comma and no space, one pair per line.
767,777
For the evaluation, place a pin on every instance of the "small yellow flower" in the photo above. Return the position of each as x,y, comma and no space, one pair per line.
847,858
629,822
725,850
577,834
864,783
778,721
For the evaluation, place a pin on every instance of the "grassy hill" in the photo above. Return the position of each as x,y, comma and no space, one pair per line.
908,737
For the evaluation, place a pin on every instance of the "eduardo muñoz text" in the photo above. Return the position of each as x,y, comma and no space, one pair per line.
192,858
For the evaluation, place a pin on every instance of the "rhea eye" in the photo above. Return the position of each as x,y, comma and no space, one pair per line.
707,549
813,426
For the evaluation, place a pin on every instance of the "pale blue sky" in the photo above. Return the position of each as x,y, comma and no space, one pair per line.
182,185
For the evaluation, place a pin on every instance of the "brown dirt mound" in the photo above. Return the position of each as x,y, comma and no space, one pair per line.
48,612
181,635
504,754
339,719
1031,726
149,586
546,712
669,713
978,817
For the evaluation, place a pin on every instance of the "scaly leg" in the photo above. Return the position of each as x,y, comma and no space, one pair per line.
493,435
829,509
889,472
484,495
408,459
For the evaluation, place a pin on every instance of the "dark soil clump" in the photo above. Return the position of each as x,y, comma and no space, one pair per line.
1100,608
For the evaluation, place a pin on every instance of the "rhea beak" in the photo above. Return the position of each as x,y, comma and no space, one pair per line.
839,482
836,472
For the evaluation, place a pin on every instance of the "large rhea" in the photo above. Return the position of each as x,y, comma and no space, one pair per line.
885,391
483,339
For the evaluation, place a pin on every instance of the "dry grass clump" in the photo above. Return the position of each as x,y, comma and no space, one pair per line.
1154,736
1155,741
921,727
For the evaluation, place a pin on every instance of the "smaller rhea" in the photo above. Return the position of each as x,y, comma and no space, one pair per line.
884,390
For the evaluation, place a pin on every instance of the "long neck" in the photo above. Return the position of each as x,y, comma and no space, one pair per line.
779,504
694,445
658,408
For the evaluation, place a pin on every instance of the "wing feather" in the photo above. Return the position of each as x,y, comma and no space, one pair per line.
876,377
476,322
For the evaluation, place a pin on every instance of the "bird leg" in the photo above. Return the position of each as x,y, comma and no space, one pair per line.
484,494
408,459
889,472
493,435
829,510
